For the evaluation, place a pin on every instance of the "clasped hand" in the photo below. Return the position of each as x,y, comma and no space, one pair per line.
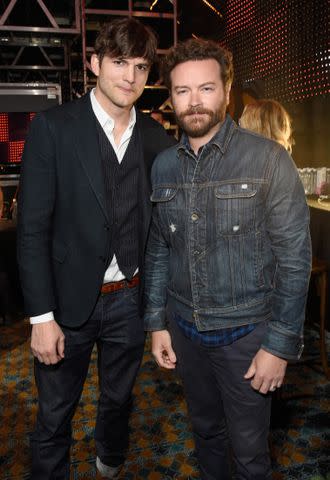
47,342
266,372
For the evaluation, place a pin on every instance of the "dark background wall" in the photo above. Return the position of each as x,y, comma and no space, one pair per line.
281,50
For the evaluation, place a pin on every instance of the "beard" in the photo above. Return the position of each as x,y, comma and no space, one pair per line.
196,126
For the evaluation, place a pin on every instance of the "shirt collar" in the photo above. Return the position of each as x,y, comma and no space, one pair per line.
104,118
220,139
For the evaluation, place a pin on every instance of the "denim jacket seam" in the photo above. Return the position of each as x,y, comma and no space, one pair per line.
218,183
155,310
270,169
286,333
277,353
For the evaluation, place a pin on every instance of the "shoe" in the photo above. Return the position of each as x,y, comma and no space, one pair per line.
106,471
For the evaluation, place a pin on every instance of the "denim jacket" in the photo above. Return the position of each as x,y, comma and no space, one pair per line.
229,243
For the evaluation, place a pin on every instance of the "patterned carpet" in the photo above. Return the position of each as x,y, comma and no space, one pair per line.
161,440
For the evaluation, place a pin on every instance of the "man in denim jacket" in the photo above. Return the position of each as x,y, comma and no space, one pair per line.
227,265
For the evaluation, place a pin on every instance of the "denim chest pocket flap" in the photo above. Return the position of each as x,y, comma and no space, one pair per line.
235,190
163,194
235,206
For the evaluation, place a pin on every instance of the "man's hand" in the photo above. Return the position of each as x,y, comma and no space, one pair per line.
47,342
162,349
266,371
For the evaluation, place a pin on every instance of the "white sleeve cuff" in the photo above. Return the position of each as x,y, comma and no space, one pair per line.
45,317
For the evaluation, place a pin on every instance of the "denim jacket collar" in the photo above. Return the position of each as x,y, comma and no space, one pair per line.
221,139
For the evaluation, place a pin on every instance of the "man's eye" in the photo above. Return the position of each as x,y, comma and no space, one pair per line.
142,68
118,62
180,92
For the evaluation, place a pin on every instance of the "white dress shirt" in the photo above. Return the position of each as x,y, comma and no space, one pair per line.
113,273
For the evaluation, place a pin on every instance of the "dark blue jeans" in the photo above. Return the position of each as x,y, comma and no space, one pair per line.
117,330
228,417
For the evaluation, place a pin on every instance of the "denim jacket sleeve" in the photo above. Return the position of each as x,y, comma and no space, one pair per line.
287,225
156,277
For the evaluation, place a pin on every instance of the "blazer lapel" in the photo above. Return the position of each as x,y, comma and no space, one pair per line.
144,192
88,150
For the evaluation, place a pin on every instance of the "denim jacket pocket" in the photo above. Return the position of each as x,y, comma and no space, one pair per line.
166,202
170,219
163,194
235,205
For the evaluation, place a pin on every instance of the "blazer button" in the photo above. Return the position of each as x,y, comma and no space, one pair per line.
106,227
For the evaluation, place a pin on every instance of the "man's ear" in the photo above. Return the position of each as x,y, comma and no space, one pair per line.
95,64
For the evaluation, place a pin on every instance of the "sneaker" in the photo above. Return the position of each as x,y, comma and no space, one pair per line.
106,471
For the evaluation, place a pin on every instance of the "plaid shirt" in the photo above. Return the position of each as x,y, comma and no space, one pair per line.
213,338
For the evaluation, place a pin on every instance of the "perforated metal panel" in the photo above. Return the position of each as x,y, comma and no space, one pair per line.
283,44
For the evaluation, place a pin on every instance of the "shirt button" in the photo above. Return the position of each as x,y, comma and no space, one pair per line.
194,217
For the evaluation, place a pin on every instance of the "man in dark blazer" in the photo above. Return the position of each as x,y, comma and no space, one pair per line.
84,214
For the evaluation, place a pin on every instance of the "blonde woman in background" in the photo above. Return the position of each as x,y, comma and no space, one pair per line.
270,119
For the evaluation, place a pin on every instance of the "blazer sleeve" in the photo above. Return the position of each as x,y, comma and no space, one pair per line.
162,140
155,139
35,211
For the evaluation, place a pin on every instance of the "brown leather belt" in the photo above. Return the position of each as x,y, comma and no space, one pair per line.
114,286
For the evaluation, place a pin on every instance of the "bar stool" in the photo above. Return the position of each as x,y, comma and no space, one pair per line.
320,273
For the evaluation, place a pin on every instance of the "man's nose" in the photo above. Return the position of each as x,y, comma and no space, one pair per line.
195,99
130,73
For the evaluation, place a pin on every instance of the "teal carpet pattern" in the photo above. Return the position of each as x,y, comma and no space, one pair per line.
161,441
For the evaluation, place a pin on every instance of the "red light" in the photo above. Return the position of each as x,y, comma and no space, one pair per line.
4,130
15,151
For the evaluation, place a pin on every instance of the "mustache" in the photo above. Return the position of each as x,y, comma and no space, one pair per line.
194,110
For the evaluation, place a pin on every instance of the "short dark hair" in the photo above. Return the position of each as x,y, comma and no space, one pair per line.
198,49
127,38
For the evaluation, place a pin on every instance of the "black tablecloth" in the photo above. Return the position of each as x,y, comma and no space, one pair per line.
320,234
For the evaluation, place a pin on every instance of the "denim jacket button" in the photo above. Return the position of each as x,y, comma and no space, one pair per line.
194,217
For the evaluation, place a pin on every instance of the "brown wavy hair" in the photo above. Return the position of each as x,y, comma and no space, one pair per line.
198,49
126,38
